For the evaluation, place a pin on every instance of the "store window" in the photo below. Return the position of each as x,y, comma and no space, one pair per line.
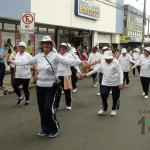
0,25
42,30
51,31
9,26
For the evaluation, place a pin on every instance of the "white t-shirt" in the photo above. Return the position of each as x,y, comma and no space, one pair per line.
125,62
23,72
46,75
112,73
64,70
144,62
94,57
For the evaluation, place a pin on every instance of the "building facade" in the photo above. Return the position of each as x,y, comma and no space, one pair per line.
80,22
133,24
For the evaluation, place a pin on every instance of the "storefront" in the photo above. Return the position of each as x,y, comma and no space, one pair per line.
82,23
131,42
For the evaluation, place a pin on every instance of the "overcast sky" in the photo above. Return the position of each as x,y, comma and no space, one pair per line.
139,5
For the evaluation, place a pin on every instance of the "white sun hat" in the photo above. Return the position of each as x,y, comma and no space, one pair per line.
105,47
63,44
108,55
137,50
124,50
22,44
46,38
147,49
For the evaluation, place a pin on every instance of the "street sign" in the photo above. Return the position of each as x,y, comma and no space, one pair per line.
27,23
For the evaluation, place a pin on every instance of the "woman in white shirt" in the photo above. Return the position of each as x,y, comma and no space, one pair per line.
144,63
47,62
64,74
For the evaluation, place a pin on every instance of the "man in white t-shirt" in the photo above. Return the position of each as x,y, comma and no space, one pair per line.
22,76
125,60
93,62
112,80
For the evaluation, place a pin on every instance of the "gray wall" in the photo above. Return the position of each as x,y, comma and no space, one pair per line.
120,17
13,8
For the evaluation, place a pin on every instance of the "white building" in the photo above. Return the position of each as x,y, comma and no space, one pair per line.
81,22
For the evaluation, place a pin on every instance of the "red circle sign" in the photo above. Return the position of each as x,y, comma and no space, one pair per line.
27,18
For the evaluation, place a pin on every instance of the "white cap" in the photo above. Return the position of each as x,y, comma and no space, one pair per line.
22,44
64,44
137,50
73,50
108,55
124,50
147,49
105,47
69,45
46,38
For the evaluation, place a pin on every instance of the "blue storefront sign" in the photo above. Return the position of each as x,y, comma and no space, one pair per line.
87,8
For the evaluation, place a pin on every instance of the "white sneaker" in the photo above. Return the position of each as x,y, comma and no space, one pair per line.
74,90
113,113
98,94
68,108
102,112
110,92
145,96
62,92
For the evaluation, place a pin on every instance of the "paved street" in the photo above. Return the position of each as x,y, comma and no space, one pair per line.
81,128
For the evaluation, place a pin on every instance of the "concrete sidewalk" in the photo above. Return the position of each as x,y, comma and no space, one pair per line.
8,88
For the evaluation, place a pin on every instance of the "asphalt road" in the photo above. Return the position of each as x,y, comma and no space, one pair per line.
81,128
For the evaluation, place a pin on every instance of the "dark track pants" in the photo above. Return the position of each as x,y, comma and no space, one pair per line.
67,93
105,90
25,84
145,84
46,100
2,72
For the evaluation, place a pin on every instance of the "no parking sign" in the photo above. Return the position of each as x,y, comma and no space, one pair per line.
27,23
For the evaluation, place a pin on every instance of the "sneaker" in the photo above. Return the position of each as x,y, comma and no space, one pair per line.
95,85
145,96
102,112
41,133
68,108
27,104
98,94
74,90
53,134
113,113
110,92
21,101
62,92
57,109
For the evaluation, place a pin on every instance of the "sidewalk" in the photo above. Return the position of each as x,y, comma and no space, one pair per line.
8,88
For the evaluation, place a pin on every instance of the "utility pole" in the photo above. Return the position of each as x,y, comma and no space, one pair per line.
148,35
144,22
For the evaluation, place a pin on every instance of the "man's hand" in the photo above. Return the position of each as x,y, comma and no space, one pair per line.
121,86
10,60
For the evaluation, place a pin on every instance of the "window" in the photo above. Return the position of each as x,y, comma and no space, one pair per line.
51,31
9,26
0,25
42,30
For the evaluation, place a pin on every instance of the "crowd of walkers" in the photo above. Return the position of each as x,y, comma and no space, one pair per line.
57,72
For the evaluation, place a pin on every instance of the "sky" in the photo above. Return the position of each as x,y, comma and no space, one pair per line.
139,5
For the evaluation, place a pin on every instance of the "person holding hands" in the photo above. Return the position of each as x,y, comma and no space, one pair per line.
112,80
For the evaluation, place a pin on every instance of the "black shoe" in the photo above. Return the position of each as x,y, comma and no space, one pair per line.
20,101
27,104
